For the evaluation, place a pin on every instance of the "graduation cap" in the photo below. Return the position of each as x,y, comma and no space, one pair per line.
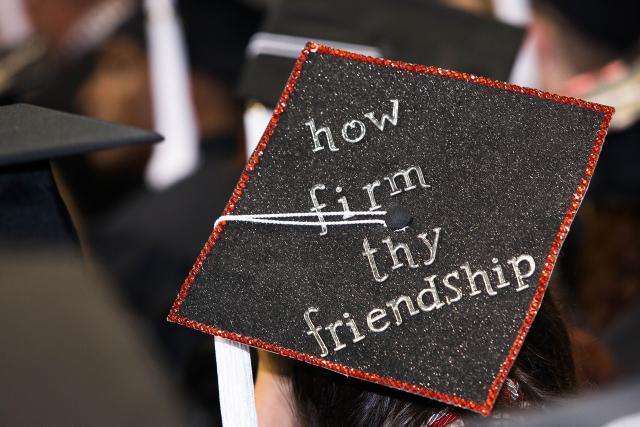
397,223
30,136
419,31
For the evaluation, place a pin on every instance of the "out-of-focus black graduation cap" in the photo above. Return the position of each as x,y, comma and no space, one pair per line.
32,210
618,181
422,32
612,24
397,223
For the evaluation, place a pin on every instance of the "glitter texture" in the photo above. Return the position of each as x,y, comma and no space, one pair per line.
508,166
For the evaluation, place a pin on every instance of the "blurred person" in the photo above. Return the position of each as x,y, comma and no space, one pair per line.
73,33
72,30
590,49
110,79
584,44
61,22
71,355
146,241
116,89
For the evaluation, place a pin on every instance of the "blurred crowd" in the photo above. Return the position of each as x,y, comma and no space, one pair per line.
142,215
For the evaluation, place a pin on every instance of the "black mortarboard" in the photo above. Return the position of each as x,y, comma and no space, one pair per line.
229,23
618,180
30,136
480,181
613,24
423,32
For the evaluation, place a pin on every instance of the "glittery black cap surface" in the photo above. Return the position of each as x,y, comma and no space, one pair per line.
491,175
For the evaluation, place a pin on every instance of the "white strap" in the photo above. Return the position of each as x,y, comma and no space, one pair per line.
235,384
274,218
174,116
256,120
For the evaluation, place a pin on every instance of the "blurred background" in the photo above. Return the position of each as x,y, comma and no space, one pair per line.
85,340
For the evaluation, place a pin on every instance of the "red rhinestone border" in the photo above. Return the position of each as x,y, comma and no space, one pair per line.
482,407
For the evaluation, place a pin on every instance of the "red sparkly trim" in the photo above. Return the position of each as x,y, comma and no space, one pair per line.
482,407
456,75
318,361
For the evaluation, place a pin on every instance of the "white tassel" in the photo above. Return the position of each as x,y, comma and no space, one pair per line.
256,119
177,157
235,384
513,12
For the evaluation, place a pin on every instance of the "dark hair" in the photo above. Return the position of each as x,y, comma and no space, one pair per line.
544,370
